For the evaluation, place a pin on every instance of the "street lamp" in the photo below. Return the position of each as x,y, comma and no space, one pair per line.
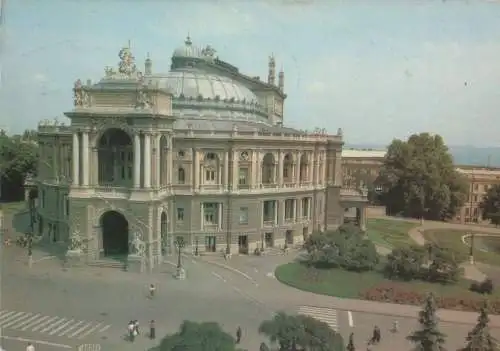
471,248
179,244
196,246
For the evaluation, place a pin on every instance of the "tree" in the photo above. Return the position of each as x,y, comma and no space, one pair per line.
300,333
192,336
405,263
18,159
480,339
419,179
346,247
428,337
444,267
490,206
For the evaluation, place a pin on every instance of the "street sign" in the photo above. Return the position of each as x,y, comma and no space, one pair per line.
89,347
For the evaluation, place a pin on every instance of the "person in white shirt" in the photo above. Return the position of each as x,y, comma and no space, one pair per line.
30,347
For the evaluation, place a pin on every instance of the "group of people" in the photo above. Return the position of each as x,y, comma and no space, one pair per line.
133,330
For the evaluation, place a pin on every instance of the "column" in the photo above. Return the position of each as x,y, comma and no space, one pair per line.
362,219
85,158
310,168
253,171
295,212
276,208
219,213
94,180
137,161
297,174
196,170
236,159
76,159
280,169
147,160
158,162
170,165
226,181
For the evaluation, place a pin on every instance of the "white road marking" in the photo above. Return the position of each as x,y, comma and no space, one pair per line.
70,328
35,322
270,275
44,258
61,327
14,316
323,314
349,317
41,342
17,320
80,330
103,329
90,331
4,315
218,276
26,321
51,326
44,324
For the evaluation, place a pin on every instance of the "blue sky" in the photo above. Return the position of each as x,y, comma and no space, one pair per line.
377,69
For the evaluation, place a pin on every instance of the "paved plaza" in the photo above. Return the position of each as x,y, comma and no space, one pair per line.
60,308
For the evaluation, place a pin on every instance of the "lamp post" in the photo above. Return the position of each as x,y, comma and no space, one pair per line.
30,249
471,248
179,244
196,246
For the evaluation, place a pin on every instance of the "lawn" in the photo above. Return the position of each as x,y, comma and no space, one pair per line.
452,239
389,233
341,283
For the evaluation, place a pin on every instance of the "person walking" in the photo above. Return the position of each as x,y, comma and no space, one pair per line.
136,327
152,290
152,330
238,335
131,331
30,347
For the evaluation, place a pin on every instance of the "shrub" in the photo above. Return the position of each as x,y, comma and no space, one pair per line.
484,287
405,263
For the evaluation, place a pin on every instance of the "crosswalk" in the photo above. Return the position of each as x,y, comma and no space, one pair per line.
50,325
324,314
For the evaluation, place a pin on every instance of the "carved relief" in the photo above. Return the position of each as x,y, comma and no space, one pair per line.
244,156
144,100
137,245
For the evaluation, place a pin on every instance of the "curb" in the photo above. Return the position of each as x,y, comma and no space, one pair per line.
221,265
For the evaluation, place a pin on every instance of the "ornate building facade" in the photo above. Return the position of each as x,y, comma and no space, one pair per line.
199,153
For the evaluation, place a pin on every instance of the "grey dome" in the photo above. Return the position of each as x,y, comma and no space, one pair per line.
187,50
191,83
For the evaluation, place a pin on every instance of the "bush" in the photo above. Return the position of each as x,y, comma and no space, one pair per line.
484,287
405,263
346,248
393,293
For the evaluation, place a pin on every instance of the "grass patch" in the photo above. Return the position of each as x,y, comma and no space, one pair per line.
389,233
452,239
341,283
12,207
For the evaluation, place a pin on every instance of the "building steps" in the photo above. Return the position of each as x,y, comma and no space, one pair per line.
107,264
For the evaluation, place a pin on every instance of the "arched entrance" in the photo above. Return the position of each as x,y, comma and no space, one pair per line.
164,233
115,229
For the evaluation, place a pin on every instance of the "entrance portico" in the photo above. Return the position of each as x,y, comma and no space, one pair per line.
356,199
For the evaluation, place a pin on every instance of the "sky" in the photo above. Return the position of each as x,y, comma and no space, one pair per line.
377,69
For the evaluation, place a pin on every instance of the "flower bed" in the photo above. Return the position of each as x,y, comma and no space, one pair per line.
394,293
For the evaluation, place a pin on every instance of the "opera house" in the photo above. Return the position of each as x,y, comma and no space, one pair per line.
201,153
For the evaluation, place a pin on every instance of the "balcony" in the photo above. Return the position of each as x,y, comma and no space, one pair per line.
269,185
269,222
289,220
112,192
211,227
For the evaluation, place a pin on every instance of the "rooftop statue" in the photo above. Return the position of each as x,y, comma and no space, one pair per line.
126,66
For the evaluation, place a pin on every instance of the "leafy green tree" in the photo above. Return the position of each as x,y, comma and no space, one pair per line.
192,336
490,206
405,263
419,179
346,247
428,337
444,267
480,339
18,159
301,333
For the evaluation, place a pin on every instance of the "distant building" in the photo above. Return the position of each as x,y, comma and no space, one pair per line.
361,168
199,153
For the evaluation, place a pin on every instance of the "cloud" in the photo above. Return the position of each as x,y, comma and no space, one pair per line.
40,78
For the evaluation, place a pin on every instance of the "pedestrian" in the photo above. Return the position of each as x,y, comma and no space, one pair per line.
395,326
152,329
376,334
136,327
30,347
238,335
152,290
131,331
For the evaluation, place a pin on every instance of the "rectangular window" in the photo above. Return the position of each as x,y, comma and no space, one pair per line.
210,175
243,215
475,198
180,214
485,187
130,172
242,176
66,205
467,211
43,198
210,213
123,172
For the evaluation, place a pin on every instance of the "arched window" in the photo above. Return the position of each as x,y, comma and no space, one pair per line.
181,175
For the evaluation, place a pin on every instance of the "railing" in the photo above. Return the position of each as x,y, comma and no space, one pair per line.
289,220
211,227
269,223
269,185
243,186
112,191
289,185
